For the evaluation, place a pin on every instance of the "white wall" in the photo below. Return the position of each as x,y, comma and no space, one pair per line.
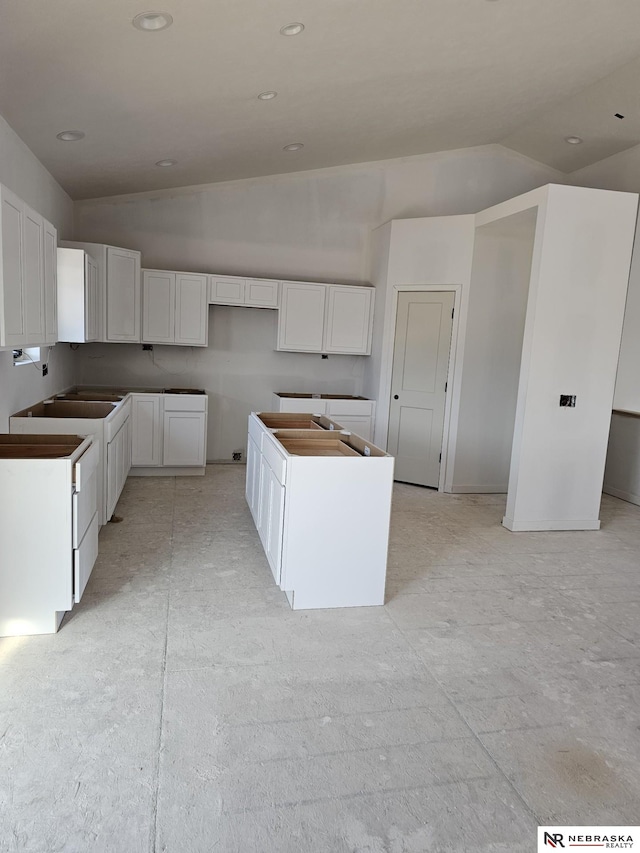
501,269
23,173
309,226
239,369
572,334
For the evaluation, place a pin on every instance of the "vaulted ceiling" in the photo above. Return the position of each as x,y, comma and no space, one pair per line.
365,80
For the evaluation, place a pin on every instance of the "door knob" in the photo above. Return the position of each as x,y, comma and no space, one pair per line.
395,396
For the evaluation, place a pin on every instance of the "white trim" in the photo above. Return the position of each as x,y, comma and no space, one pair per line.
551,524
630,497
386,367
482,489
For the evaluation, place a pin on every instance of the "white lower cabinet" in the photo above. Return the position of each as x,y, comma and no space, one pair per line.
355,414
48,528
118,464
168,431
322,516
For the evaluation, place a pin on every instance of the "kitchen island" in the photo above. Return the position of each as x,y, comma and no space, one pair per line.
321,502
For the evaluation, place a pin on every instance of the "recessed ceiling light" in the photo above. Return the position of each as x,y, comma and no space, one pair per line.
291,29
573,140
293,146
70,135
166,163
267,96
152,21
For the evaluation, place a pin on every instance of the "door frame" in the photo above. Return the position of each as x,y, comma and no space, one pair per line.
387,366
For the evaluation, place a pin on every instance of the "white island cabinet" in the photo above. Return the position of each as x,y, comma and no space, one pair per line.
321,502
355,414
48,528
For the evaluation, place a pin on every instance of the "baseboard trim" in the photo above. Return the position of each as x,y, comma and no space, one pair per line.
166,472
551,524
491,489
630,497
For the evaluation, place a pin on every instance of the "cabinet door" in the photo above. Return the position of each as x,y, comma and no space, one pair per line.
33,271
348,328
301,318
113,467
123,295
192,310
261,293
146,430
50,283
252,468
91,299
184,438
12,331
273,546
158,307
226,291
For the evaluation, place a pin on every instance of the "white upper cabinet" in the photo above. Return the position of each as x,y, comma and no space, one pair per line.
50,283
158,306
122,295
174,308
301,320
330,318
33,272
349,319
26,275
251,292
77,296
13,325
192,312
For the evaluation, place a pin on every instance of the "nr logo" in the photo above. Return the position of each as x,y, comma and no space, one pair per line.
553,840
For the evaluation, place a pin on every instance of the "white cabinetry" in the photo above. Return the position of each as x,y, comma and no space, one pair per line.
27,278
119,308
322,515
118,464
329,318
184,431
48,529
174,308
168,431
355,414
146,430
77,296
251,292
51,283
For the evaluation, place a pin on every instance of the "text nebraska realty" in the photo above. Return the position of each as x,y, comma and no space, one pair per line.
607,841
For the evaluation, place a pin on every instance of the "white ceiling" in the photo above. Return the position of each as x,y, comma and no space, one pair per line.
366,80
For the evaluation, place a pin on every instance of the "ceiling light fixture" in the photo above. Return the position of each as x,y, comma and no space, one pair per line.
152,21
291,29
166,163
573,140
293,146
70,135
267,96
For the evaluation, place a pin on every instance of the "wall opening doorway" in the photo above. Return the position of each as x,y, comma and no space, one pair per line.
421,352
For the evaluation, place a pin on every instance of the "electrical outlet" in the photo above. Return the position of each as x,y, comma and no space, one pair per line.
147,347
237,456
45,369
568,401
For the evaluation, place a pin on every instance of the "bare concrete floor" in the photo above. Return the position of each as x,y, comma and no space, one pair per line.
184,708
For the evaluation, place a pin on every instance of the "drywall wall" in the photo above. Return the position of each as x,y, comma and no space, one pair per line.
23,173
239,369
622,470
496,312
309,226
424,252
574,319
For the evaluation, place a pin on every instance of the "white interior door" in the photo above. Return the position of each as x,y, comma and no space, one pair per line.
418,384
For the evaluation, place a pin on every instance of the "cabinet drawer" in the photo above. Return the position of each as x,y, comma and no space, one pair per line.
275,460
185,402
84,558
226,291
349,407
85,504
